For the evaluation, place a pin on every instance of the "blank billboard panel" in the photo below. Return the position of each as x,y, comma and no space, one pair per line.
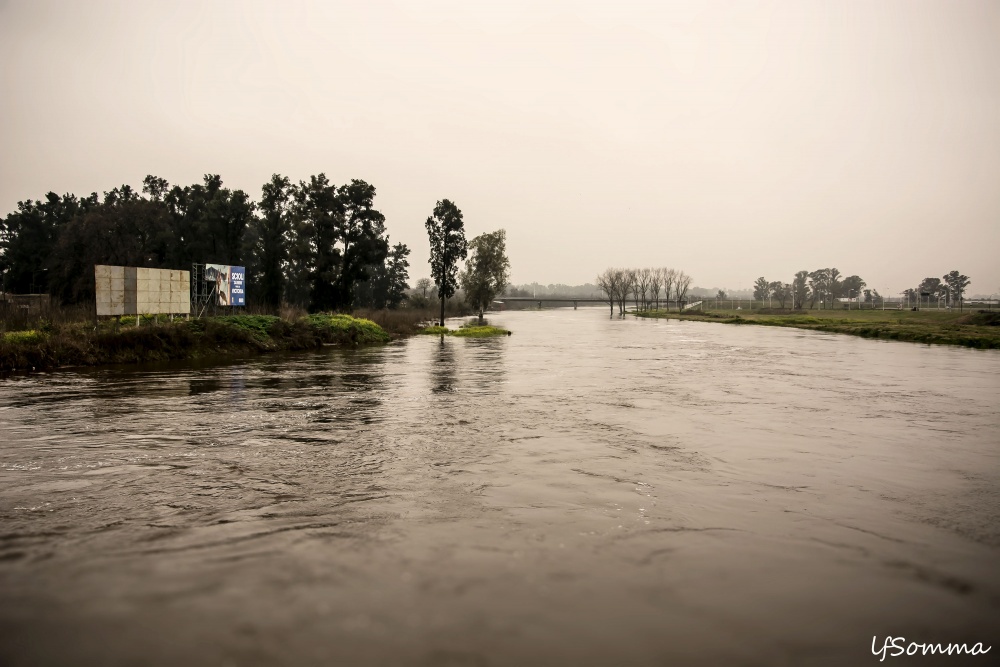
122,290
109,289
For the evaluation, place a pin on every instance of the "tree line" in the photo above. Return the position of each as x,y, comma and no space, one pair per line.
949,288
644,287
825,286
311,243
808,288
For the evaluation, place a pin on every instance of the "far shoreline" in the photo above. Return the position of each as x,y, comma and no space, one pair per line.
971,329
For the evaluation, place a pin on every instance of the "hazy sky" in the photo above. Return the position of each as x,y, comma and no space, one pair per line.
729,139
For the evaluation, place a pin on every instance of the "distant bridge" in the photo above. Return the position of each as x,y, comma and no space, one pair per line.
578,300
554,299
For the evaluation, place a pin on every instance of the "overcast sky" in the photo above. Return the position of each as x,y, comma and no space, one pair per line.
730,139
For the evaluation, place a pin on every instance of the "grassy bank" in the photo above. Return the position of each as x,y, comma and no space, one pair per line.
121,341
979,329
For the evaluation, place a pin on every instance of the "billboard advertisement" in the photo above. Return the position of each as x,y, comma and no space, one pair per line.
230,283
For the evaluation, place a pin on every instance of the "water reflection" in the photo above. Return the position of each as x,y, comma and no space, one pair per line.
443,366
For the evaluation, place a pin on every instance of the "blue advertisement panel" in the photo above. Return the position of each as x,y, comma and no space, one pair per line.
230,283
237,290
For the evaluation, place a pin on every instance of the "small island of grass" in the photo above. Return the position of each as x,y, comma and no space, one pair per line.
476,331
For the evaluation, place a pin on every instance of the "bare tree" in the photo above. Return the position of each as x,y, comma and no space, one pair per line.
644,278
632,285
681,288
608,283
423,285
669,278
655,282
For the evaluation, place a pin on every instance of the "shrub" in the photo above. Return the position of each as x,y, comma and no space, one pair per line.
28,337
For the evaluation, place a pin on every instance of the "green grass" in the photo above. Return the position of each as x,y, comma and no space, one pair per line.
468,331
121,341
979,329
358,330
22,337
485,331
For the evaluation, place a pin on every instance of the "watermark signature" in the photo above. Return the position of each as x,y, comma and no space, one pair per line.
893,647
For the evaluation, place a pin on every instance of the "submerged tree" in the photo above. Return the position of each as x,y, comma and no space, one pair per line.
446,232
488,270
608,283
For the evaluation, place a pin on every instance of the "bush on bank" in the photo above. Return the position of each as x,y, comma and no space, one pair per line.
121,341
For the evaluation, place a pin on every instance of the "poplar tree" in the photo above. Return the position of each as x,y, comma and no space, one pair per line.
446,232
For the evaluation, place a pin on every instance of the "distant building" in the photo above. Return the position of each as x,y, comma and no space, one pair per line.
31,303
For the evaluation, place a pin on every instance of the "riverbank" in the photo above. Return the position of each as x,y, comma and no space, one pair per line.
122,341
977,329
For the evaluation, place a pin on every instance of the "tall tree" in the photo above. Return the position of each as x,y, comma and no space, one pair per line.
316,257
655,283
267,241
800,289
931,288
28,239
761,288
624,285
386,285
782,293
956,283
209,220
852,286
772,290
681,289
362,240
488,270
669,277
423,285
834,286
817,286
446,232
125,229
632,280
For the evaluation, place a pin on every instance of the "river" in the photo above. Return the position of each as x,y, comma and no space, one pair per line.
585,492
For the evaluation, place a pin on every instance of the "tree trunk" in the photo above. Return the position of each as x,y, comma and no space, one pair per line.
442,311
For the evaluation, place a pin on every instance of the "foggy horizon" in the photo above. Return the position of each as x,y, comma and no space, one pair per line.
729,140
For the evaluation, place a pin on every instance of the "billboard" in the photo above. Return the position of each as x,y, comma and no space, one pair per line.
230,283
130,290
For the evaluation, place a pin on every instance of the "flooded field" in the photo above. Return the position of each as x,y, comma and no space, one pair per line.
584,492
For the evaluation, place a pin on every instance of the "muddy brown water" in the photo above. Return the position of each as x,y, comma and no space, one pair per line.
584,492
